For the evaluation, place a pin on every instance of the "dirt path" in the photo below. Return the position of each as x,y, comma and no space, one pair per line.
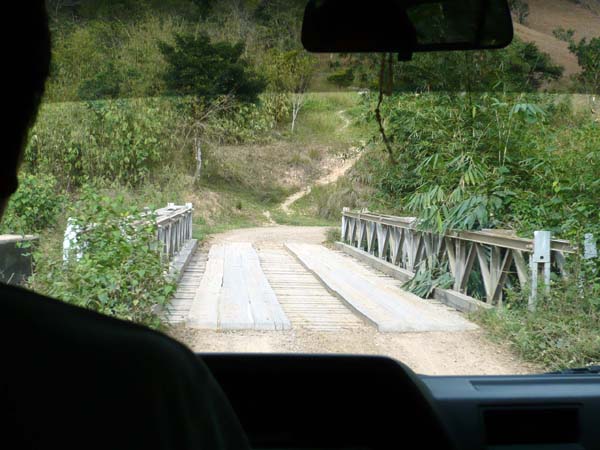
435,353
338,169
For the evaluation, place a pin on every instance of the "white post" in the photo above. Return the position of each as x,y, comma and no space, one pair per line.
540,257
590,251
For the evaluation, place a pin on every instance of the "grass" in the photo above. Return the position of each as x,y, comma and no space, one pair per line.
296,218
221,207
563,332
333,235
320,121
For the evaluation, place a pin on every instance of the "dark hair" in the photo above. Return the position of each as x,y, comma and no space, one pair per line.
26,62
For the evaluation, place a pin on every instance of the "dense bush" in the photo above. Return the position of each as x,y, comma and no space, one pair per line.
200,68
119,141
120,271
563,332
342,78
34,207
521,67
471,161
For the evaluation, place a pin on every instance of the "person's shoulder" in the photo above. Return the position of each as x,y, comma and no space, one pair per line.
26,312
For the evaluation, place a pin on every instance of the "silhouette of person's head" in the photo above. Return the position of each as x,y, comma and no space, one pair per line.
26,63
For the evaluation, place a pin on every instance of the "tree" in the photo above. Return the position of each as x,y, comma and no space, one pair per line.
520,9
342,78
521,67
200,68
588,57
290,73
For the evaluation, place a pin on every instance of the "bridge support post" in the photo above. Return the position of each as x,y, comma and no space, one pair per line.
540,263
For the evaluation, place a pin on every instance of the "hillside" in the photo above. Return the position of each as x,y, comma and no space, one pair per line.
547,15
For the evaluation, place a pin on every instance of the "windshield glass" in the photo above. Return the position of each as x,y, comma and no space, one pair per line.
193,169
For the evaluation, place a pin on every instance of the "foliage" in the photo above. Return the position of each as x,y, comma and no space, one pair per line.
117,140
206,70
272,16
122,58
34,206
342,78
243,122
120,272
333,235
588,57
290,73
473,161
430,275
563,332
520,67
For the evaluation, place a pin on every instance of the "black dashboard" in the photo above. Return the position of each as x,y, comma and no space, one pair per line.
362,402
533,412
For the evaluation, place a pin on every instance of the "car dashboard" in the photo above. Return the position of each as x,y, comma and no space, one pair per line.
363,402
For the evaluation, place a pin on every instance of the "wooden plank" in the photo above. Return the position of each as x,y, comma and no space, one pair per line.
389,308
304,299
455,299
234,303
266,310
204,310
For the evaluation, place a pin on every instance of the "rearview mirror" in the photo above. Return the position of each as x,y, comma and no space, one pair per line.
405,26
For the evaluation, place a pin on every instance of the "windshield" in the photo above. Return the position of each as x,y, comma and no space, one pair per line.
194,170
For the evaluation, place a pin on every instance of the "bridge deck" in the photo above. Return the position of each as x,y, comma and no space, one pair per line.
234,293
186,290
376,297
305,300
307,286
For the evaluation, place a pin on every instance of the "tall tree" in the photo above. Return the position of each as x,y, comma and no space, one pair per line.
206,70
290,73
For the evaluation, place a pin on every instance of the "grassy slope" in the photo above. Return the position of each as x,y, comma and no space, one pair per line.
254,179
547,15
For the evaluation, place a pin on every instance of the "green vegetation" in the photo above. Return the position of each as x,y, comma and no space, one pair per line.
34,207
588,57
119,270
207,71
563,332
489,152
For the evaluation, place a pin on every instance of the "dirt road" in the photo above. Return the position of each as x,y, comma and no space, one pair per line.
335,168
434,353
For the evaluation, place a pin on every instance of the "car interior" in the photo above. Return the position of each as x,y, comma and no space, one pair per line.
352,402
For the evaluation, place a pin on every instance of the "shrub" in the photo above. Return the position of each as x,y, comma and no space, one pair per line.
333,235
562,332
34,206
120,271
200,68
342,78
125,141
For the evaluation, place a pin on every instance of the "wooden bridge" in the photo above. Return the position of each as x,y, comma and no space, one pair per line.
236,286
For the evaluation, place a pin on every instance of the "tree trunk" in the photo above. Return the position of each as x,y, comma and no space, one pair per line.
198,159
296,106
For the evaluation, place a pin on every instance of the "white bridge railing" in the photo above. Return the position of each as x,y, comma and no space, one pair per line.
174,224
496,258
174,227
